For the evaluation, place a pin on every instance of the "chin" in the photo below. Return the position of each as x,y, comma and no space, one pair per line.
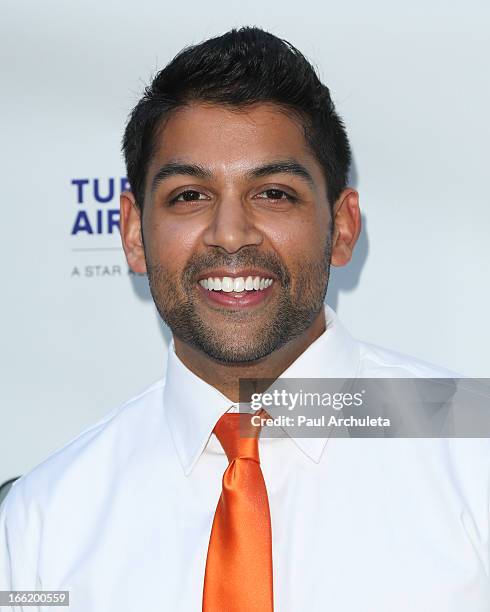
236,353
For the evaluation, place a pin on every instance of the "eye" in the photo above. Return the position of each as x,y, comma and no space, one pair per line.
276,194
190,195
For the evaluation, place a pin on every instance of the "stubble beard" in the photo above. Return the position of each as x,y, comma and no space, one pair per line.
293,314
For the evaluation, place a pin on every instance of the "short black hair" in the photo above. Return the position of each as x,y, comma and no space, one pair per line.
242,67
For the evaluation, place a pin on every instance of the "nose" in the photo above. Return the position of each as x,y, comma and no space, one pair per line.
232,226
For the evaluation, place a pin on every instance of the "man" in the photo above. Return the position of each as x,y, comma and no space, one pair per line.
238,165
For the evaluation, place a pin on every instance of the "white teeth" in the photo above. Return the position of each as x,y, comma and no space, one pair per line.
236,285
227,284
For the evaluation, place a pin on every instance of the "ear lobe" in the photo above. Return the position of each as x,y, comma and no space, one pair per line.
131,237
347,227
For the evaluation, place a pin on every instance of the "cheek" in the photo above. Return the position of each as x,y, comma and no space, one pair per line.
300,241
171,243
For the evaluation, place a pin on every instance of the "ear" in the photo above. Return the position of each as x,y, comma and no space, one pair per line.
130,225
347,226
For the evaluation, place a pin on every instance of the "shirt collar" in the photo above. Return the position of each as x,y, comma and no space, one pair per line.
193,407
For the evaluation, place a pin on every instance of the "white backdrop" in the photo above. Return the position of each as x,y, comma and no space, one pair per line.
79,335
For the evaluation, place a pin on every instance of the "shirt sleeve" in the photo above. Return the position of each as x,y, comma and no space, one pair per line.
19,542
5,565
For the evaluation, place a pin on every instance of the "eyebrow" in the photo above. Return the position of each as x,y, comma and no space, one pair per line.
281,166
175,168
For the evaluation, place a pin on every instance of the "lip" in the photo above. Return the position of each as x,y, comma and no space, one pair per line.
236,301
221,272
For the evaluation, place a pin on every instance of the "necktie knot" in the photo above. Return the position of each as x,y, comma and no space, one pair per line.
238,436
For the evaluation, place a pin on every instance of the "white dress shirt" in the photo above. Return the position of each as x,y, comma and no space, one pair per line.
121,515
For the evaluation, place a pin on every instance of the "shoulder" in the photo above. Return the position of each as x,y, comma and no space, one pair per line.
379,361
98,449
466,458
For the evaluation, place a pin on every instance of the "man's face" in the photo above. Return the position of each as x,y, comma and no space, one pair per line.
236,229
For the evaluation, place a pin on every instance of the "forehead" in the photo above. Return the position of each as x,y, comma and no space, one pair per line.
231,139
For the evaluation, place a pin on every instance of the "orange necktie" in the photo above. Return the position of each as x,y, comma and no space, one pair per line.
238,574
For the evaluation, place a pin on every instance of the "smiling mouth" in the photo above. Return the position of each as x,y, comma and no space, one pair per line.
236,292
236,285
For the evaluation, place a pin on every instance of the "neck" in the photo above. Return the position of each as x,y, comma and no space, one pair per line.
225,377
